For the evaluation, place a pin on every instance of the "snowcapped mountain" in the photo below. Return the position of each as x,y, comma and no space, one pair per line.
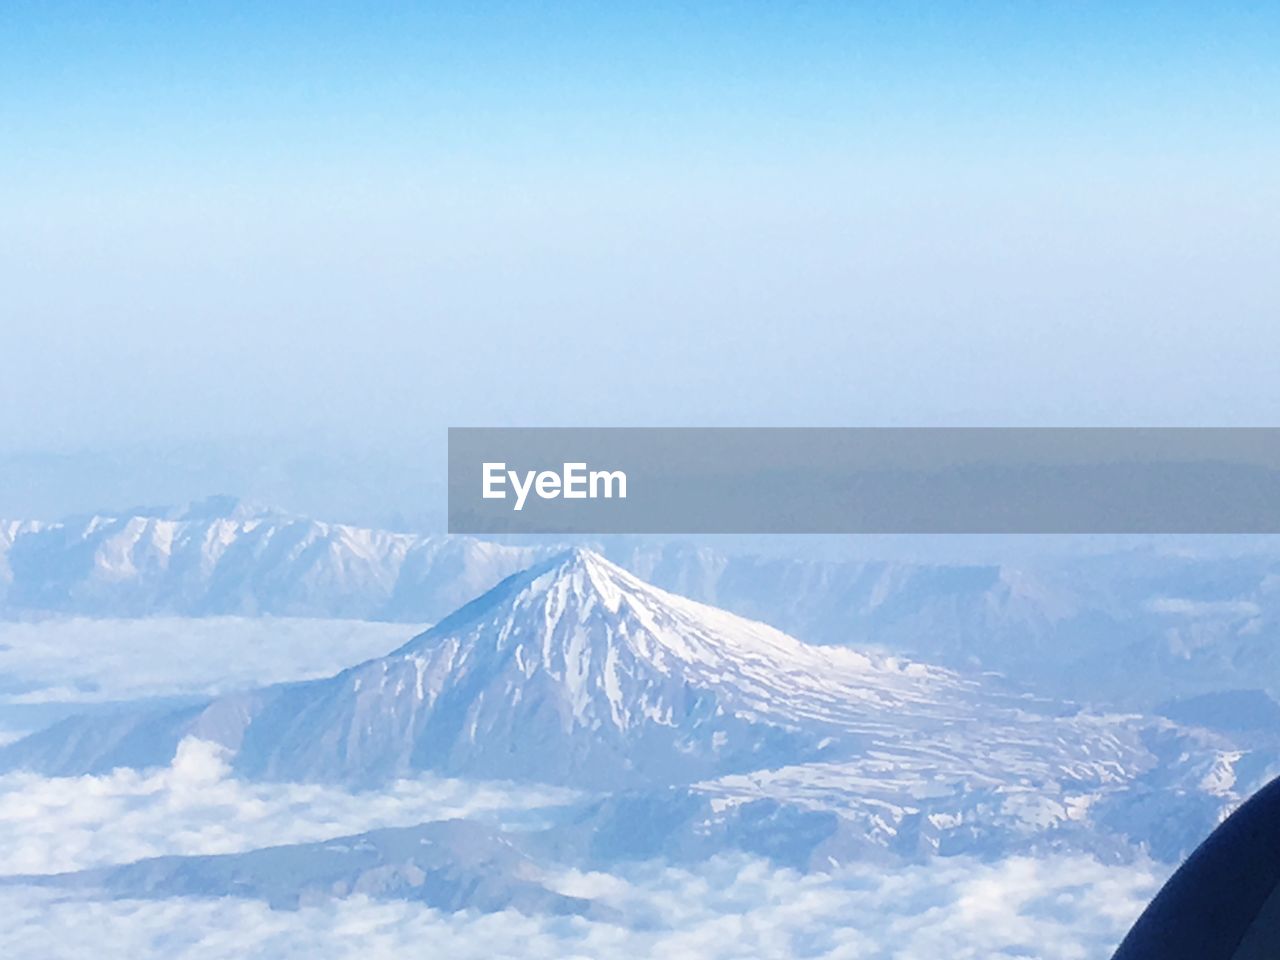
571,672
575,672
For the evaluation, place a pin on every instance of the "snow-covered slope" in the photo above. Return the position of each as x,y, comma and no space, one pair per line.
575,672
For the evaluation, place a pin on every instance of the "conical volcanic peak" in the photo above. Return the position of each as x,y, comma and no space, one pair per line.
611,650
577,672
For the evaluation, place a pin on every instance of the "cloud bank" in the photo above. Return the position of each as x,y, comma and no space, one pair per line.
194,806
84,660
1061,908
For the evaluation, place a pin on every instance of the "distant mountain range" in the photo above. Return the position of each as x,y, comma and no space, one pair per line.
224,557
1131,630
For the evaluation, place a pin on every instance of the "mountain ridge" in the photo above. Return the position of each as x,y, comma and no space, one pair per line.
1129,630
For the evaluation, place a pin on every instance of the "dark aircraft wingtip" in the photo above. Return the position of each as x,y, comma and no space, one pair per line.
1223,903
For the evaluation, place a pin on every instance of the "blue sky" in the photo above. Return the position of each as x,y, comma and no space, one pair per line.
328,226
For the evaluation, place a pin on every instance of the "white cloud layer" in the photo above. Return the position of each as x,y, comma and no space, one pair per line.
85,660
1060,908
194,806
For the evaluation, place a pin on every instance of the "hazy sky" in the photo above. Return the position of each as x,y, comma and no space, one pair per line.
330,225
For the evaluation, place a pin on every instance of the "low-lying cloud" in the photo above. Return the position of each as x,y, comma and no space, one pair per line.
1058,908
82,660
195,806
